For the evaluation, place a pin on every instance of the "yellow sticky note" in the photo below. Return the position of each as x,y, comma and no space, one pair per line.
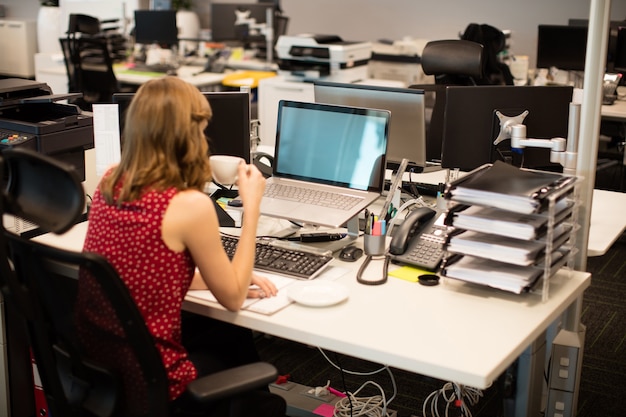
408,273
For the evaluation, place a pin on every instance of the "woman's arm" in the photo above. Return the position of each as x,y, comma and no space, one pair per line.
191,222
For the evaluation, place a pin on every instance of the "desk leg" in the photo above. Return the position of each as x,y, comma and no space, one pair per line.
530,380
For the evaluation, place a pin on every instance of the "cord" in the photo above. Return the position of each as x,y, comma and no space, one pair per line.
452,394
353,406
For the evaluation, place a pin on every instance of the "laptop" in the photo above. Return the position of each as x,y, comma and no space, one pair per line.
324,148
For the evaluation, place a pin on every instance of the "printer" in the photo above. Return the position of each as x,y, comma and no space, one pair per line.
31,117
311,57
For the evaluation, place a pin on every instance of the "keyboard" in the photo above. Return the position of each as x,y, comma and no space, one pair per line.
308,196
283,261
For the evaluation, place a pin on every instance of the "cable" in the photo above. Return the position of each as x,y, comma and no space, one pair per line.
354,406
375,406
454,395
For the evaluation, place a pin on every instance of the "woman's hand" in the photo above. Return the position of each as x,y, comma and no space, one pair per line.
262,287
251,185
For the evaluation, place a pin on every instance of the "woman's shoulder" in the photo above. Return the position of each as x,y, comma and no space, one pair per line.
191,201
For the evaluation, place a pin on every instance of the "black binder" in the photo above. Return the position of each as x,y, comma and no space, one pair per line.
507,187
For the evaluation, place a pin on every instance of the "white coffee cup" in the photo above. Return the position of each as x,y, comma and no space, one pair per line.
224,168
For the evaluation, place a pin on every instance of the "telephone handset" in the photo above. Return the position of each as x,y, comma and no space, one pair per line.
419,240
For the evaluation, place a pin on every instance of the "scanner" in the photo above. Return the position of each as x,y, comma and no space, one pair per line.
31,117
311,57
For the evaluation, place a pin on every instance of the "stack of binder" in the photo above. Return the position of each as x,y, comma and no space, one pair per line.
511,226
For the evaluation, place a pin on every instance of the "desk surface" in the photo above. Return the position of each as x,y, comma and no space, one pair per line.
454,331
189,73
615,111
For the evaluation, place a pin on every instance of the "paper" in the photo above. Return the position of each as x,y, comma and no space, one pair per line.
515,251
106,132
506,223
494,274
408,273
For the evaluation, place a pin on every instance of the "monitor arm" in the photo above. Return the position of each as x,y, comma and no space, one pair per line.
266,29
562,151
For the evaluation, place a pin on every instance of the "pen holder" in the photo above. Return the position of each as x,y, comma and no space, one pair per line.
374,244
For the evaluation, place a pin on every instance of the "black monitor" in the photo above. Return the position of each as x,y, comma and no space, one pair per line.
223,17
407,137
561,46
611,53
228,133
156,26
620,50
471,124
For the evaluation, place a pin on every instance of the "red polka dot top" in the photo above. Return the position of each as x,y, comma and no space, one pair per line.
129,236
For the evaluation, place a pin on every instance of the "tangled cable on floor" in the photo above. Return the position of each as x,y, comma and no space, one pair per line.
453,395
352,405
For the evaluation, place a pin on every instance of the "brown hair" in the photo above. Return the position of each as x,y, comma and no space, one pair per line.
164,142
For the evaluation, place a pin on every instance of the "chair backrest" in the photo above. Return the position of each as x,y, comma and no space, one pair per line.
454,61
88,59
85,369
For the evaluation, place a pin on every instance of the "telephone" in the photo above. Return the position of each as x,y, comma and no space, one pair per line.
420,239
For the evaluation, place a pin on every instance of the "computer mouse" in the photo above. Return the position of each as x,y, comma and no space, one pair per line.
350,253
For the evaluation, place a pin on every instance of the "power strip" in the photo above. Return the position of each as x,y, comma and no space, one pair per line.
301,403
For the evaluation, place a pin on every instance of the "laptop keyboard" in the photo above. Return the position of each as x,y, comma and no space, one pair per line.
291,262
308,196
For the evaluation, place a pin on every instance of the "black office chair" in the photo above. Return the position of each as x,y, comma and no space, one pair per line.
451,62
39,283
454,61
88,56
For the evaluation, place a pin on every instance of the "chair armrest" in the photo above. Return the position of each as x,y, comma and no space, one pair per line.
232,381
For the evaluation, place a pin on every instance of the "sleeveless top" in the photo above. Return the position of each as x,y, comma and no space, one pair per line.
129,237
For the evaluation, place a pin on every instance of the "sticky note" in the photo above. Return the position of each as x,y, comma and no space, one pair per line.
408,273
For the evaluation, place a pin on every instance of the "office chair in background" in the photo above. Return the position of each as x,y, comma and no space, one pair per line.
454,61
451,62
89,55
39,284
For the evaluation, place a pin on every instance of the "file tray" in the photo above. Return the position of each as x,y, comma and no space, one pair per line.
511,228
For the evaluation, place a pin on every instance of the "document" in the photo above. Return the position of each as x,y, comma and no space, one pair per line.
506,223
500,275
510,188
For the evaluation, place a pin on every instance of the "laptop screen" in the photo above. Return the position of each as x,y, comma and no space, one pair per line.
329,144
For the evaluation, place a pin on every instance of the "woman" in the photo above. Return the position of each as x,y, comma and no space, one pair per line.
151,220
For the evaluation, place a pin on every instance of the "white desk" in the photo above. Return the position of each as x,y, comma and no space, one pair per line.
607,221
191,74
454,331
615,111
54,74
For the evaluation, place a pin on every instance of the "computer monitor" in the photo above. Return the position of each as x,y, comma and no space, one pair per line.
407,137
471,124
156,26
620,50
228,133
561,46
611,53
